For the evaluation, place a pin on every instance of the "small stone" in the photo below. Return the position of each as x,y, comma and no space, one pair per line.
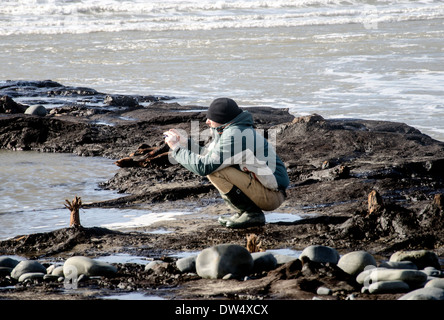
362,277
263,261
324,291
432,272
152,264
394,286
83,265
50,269
8,262
82,277
36,110
58,271
215,262
421,258
187,264
429,293
228,276
50,277
354,262
318,253
31,276
121,100
27,266
435,283
412,277
8,105
399,265
5,271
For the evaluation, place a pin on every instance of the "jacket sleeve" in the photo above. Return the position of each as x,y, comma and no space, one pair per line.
205,161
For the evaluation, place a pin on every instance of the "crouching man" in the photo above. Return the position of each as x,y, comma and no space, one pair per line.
239,162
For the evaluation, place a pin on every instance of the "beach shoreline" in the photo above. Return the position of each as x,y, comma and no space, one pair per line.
333,166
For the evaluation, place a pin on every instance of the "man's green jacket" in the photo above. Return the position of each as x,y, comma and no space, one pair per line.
237,144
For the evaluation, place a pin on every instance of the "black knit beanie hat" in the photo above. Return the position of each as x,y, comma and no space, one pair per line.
223,110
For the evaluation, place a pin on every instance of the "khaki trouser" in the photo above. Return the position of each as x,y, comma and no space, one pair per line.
264,198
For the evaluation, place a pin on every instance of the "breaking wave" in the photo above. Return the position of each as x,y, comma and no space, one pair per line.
82,16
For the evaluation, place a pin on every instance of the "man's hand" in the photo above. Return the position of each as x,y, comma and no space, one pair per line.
173,138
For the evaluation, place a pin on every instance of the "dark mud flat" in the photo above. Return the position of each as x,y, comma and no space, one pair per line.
333,164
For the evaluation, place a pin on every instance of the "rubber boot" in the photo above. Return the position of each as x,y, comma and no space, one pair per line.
247,220
248,213
224,219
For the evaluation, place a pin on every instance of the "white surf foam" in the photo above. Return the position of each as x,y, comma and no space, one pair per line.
61,16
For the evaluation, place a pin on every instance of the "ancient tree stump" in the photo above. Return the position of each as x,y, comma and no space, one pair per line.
375,202
74,207
253,243
438,201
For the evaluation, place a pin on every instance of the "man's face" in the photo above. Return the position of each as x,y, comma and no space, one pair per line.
212,124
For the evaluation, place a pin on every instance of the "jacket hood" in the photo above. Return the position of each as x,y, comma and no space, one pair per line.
244,119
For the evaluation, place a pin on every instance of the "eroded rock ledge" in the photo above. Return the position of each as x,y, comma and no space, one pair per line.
333,164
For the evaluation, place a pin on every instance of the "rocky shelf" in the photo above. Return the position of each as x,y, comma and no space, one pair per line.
360,184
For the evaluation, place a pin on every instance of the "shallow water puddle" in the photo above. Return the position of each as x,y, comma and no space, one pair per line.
160,231
286,252
184,254
124,258
274,217
140,218
132,296
34,187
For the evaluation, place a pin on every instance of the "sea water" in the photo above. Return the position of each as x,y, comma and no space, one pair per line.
360,59
367,59
34,187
